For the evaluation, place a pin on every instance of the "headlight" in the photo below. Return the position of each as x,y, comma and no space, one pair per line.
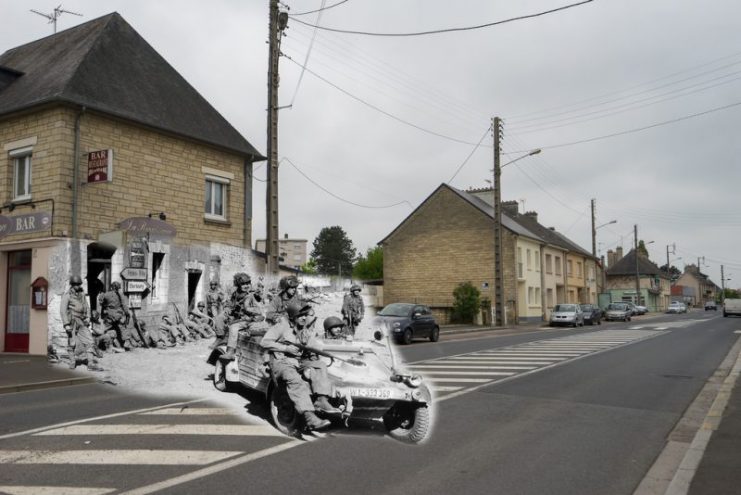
397,324
414,381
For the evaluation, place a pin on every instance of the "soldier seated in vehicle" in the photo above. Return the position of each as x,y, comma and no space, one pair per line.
293,367
335,328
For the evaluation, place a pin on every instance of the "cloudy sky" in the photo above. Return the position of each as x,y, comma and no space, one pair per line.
635,103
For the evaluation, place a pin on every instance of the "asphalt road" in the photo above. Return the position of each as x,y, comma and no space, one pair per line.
554,412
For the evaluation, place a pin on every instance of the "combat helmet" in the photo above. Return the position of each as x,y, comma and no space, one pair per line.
294,310
241,278
332,322
288,282
75,280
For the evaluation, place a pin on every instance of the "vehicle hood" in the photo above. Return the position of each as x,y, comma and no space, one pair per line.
390,320
564,314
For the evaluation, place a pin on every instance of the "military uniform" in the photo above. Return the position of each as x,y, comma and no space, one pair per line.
243,308
74,310
215,299
115,317
353,308
289,364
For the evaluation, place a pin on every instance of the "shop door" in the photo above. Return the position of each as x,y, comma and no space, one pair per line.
18,310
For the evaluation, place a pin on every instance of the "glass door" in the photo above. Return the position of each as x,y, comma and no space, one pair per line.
18,310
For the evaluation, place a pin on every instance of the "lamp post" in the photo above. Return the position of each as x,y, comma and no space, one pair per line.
499,313
723,284
638,275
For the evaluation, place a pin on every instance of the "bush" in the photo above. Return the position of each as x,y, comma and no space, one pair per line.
467,303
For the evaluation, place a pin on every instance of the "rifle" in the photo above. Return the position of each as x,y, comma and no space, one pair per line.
178,318
319,352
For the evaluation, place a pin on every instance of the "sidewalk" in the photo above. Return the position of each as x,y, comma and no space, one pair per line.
20,372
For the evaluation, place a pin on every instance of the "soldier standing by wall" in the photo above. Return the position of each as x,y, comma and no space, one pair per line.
353,308
215,299
243,309
115,316
74,310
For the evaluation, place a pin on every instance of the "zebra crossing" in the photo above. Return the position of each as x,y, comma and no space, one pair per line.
454,375
168,441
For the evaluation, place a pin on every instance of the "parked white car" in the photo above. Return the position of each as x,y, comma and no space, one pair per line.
676,307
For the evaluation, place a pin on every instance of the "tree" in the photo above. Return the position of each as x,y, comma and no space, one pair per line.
370,266
674,272
730,294
333,251
642,248
309,267
467,303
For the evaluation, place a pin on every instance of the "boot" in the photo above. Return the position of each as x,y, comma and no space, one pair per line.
322,404
229,355
313,422
72,363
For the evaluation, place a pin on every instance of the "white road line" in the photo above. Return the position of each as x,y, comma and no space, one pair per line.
210,470
53,490
122,457
456,373
519,363
193,411
460,380
497,358
470,367
165,429
107,416
444,388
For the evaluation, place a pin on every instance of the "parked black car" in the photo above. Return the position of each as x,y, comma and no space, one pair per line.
408,321
592,314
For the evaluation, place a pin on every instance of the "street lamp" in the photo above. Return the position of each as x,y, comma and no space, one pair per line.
638,276
500,318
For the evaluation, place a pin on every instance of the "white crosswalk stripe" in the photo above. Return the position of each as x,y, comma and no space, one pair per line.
164,429
122,456
53,490
468,372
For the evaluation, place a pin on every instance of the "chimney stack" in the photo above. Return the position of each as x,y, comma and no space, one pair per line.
510,207
618,253
532,214
610,258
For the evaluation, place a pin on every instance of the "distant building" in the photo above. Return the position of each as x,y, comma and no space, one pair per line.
654,283
292,252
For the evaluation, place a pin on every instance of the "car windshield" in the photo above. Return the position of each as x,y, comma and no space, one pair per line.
396,309
565,308
586,307
617,306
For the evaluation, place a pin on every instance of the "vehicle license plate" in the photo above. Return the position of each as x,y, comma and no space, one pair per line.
371,393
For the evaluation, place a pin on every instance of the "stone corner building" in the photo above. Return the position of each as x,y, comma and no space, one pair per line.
111,162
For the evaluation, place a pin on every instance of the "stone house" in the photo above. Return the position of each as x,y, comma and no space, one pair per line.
449,239
654,283
113,168
697,286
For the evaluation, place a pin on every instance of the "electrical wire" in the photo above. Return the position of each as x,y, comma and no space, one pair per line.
449,30
378,109
321,9
486,132
340,198
638,129
306,59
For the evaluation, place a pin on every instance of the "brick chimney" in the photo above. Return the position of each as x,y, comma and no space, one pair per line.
532,214
618,253
610,258
511,207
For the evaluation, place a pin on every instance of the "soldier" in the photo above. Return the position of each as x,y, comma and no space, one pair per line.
243,309
334,328
197,323
290,365
74,311
215,299
353,308
287,293
176,333
115,316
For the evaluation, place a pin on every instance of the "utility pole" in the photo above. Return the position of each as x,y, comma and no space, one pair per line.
638,276
499,309
722,285
674,249
594,232
278,21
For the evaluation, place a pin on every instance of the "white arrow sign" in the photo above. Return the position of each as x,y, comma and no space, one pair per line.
136,285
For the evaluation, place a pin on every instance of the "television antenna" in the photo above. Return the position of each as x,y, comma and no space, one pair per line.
55,15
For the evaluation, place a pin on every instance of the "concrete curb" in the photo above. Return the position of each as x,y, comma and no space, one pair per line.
23,387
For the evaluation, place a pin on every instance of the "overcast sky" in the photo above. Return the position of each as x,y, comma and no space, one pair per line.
381,121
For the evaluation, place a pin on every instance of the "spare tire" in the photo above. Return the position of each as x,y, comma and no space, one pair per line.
408,423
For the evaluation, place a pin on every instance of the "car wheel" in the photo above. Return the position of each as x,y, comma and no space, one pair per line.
435,334
282,411
599,321
406,337
408,423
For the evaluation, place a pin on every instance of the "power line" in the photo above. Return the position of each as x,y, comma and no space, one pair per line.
449,30
378,109
338,197
321,9
308,53
486,132
630,131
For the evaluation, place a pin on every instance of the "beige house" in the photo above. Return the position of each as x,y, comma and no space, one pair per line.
449,239
701,288
112,168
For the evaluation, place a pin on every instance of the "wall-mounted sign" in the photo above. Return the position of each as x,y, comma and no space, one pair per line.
22,224
130,273
146,225
137,256
99,166
135,285
135,301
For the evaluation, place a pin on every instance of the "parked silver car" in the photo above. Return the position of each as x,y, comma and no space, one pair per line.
567,314
618,311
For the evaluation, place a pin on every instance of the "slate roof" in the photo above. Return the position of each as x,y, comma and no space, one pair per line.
106,66
519,224
627,266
